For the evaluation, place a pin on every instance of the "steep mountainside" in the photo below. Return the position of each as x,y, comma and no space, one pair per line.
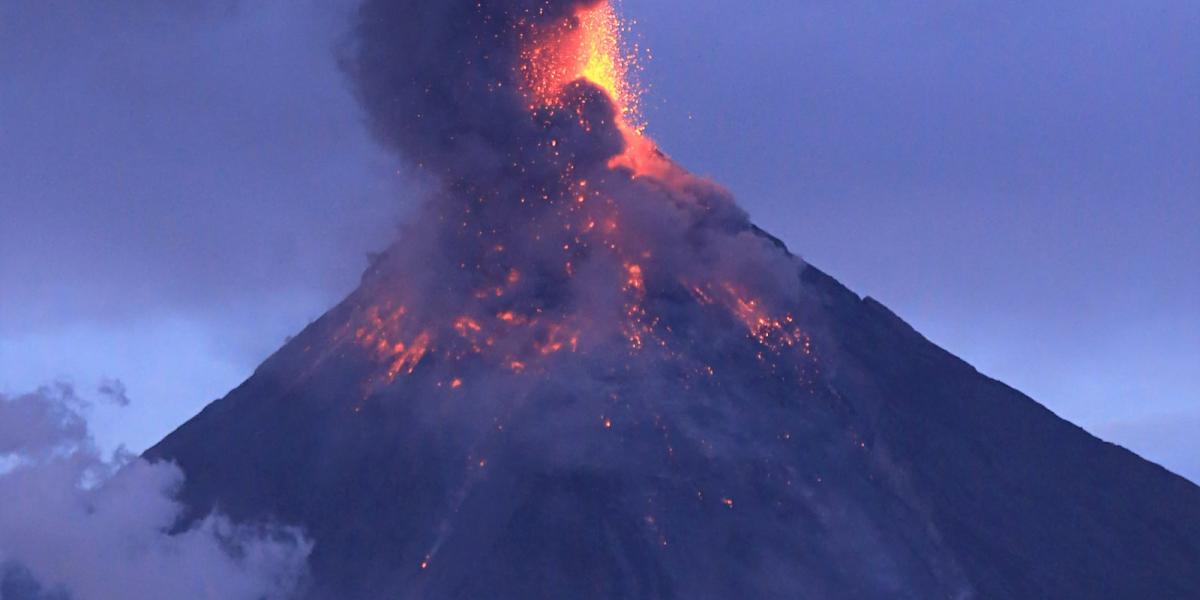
896,471
583,373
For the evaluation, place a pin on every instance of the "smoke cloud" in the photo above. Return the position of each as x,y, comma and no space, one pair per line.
561,192
79,525
439,80
114,391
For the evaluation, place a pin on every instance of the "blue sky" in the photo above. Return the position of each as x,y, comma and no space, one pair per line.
184,185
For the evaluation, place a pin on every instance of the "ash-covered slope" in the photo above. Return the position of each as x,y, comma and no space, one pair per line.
898,471
582,373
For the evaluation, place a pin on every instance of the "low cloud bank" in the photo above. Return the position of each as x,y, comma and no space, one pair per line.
78,525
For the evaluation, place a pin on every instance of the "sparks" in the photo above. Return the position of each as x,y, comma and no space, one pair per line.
590,47
604,61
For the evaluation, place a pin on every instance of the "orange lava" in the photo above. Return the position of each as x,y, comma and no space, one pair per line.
590,47
523,337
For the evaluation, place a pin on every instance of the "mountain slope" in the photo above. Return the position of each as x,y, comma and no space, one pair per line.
583,373
901,472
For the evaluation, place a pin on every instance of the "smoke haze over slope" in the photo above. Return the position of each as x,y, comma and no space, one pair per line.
879,115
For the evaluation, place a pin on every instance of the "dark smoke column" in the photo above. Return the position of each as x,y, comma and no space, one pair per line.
442,83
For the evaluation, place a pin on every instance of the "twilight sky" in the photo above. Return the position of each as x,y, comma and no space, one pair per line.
184,184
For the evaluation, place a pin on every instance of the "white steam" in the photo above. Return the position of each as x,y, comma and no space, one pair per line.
75,524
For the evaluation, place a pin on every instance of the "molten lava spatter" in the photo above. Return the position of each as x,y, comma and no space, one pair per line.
604,61
589,46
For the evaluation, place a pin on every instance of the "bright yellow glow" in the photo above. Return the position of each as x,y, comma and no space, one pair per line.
604,62
589,47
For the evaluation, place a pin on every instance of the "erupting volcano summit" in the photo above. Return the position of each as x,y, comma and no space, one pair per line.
583,373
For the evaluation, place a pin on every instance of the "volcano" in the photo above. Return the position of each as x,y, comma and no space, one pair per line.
582,372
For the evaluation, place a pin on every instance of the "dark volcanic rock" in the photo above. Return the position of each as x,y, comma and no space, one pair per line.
882,467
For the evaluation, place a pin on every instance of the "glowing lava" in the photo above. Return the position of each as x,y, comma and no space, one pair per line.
591,47
604,61
507,320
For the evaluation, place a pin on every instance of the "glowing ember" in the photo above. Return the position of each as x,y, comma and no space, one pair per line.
407,358
635,281
588,47
604,62
513,312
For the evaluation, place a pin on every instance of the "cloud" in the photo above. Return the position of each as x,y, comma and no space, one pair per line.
76,524
114,391
31,426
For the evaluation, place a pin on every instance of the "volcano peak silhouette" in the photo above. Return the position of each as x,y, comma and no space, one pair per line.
583,373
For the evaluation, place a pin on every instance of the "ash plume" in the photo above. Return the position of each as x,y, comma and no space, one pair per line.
530,185
440,81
